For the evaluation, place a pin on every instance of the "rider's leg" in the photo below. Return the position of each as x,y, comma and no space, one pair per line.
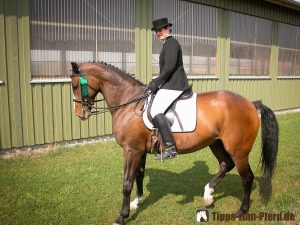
163,99
161,122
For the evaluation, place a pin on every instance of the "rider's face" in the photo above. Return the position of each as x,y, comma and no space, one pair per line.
163,32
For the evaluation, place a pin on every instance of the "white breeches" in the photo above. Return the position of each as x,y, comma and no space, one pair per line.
162,100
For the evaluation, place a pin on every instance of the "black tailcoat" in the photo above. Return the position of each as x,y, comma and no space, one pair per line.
172,75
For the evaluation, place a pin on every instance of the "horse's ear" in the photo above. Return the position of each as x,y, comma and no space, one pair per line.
75,67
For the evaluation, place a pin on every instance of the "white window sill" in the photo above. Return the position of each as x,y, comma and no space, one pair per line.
247,77
287,77
44,81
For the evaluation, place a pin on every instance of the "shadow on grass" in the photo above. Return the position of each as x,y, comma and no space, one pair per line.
189,183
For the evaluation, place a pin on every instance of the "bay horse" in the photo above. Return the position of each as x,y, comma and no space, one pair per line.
226,122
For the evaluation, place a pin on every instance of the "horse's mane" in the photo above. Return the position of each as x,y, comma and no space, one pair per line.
118,71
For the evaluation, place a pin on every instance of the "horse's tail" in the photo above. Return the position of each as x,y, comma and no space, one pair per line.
269,143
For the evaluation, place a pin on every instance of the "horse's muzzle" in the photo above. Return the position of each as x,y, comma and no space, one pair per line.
84,116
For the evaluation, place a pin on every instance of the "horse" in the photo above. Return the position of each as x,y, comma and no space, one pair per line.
226,122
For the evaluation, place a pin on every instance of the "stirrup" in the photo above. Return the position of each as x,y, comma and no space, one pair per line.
169,153
155,143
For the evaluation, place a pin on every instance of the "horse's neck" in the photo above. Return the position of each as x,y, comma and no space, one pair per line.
118,91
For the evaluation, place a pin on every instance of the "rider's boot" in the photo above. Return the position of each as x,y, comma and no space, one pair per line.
164,128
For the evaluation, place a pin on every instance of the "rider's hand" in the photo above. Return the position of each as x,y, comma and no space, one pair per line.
153,87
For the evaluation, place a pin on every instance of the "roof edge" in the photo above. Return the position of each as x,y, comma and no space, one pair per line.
286,3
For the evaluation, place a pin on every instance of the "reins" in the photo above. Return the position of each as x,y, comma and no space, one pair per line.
112,108
99,110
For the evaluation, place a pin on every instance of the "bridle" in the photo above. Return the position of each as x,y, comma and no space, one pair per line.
88,106
83,82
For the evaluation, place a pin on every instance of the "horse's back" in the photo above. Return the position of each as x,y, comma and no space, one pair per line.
224,101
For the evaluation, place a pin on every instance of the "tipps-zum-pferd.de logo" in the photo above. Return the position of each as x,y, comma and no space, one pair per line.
202,215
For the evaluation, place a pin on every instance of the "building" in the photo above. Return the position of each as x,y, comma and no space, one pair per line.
251,47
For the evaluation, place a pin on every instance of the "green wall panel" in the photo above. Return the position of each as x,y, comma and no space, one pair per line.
67,105
5,137
24,65
48,113
100,118
284,94
84,128
93,126
13,81
149,42
57,112
38,116
75,123
107,123
143,40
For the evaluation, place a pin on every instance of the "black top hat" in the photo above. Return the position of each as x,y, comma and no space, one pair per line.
157,24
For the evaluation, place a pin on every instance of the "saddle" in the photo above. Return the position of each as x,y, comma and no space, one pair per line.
181,115
187,94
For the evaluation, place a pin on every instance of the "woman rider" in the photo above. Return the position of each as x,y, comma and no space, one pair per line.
169,85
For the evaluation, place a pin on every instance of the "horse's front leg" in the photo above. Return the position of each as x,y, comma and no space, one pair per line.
132,161
139,183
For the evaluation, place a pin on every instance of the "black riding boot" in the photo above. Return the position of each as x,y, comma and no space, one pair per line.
166,134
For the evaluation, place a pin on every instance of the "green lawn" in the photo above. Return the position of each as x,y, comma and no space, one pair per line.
83,185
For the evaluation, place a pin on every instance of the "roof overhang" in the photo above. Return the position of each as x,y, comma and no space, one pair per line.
292,4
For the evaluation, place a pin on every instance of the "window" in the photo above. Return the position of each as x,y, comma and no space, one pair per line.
63,31
250,45
195,27
289,50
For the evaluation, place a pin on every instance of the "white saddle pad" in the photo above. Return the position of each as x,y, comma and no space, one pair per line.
184,117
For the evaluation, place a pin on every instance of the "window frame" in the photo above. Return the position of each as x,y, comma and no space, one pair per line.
250,76
64,77
297,50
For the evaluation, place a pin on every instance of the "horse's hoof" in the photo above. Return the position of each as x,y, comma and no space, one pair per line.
118,223
208,202
239,213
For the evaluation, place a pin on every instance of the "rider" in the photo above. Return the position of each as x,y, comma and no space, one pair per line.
169,85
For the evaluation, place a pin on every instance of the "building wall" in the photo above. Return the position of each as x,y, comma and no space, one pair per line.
40,113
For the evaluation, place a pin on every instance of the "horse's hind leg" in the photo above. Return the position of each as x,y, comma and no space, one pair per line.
226,164
247,176
139,183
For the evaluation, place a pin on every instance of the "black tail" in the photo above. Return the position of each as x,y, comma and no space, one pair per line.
269,135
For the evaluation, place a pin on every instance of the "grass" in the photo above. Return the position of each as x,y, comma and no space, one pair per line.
82,185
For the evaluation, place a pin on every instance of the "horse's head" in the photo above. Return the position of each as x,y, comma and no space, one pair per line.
84,88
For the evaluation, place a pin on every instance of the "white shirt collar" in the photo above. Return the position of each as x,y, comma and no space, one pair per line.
164,40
